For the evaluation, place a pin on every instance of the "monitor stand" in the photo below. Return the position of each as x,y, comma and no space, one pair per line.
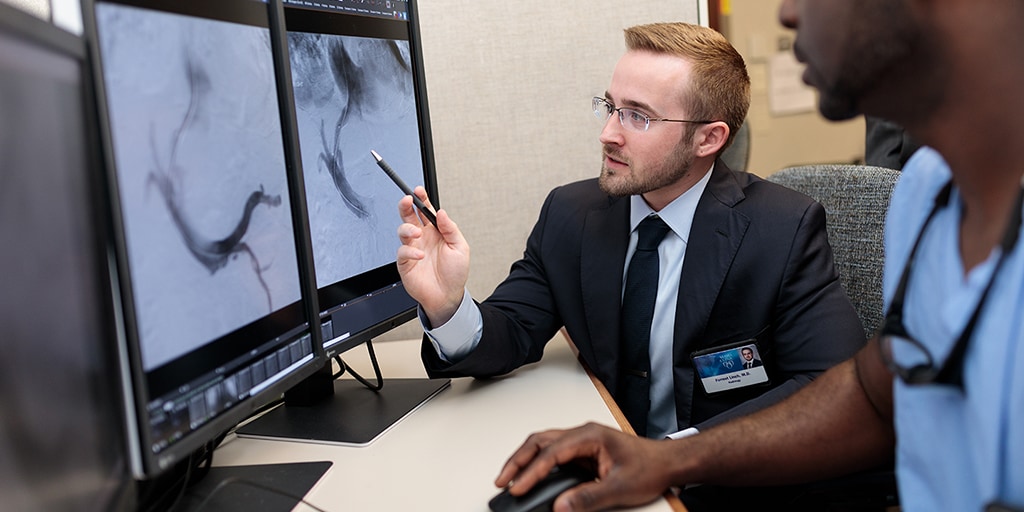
323,409
263,487
354,416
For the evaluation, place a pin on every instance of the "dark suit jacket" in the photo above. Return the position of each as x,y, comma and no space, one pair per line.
757,261
754,363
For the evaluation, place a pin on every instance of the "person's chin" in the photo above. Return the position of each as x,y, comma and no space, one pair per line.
837,107
613,183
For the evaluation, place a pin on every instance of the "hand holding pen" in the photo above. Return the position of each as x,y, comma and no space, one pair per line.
433,263
427,212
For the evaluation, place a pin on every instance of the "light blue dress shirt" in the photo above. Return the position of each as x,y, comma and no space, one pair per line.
661,419
461,334
956,450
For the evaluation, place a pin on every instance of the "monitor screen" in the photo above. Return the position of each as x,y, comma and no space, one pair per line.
386,9
357,84
62,441
357,81
209,260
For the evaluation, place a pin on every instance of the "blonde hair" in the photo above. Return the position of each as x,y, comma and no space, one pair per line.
719,88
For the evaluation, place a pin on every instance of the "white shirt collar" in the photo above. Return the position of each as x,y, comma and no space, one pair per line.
678,214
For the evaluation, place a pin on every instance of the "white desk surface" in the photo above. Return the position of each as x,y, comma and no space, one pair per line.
445,455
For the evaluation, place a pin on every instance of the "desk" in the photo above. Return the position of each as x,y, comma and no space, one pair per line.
445,455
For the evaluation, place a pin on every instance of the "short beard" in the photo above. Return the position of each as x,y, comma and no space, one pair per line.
870,63
646,179
837,106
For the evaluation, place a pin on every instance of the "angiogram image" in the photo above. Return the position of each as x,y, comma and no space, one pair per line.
354,94
201,172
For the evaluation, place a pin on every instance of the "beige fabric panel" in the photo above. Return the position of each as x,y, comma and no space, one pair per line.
509,86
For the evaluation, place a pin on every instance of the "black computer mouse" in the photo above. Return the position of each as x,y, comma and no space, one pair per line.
542,496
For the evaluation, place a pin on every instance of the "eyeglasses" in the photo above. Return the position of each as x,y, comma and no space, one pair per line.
917,364
631,119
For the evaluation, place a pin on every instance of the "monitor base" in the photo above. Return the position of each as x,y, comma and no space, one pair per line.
354,416
263,487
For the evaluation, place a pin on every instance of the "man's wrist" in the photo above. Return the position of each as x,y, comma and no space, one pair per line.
456,338
438,317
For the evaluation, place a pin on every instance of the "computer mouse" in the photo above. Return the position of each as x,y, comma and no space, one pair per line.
542,496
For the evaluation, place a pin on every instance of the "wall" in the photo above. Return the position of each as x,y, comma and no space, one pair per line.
509,86
779,141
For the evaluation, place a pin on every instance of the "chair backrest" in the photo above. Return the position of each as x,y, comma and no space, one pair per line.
737,155
856,198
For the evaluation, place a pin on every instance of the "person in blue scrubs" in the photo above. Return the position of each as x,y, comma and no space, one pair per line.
937,388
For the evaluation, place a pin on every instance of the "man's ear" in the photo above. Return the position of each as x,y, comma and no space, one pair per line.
710,138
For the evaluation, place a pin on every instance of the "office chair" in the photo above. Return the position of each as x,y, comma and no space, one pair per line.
856,198
737,155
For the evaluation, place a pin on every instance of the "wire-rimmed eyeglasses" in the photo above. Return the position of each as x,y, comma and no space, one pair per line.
917,364
630,118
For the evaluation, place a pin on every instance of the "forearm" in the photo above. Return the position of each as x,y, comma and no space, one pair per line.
770,398
838,424
496,345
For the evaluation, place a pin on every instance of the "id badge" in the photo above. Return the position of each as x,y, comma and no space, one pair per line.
727,367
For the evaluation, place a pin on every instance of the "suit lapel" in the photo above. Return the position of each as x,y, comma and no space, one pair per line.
715,236
602,260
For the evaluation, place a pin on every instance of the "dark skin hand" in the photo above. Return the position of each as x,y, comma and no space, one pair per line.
840,423
619,459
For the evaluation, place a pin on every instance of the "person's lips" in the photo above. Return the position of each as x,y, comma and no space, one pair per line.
798,53
614,161
808,74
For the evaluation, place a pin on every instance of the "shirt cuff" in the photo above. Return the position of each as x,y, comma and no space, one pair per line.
684,433
457,337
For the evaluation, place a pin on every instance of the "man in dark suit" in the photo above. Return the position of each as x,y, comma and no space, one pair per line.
748,358
744,258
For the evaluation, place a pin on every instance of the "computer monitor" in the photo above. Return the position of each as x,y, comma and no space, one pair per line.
62,441
218,306
358,85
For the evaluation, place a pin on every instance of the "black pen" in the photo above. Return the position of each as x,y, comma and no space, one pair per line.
405,188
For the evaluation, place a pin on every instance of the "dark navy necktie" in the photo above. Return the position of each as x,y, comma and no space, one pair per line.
634,394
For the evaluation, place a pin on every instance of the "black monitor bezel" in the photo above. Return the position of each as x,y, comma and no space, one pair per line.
43,33
145,464
386,276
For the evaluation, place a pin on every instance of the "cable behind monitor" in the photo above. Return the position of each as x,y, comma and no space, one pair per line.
344,367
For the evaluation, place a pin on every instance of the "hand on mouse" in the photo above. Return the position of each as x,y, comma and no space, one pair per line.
630,470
